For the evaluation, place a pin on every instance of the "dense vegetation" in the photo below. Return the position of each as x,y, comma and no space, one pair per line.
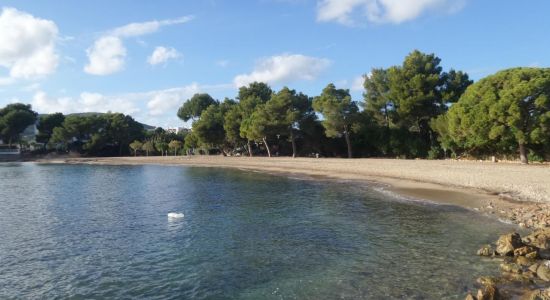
413,110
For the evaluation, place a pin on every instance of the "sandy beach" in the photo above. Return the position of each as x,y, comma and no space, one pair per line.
507,190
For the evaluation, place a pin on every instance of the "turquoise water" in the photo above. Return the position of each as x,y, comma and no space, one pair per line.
102,232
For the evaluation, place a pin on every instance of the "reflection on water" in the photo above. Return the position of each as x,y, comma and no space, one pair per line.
103,232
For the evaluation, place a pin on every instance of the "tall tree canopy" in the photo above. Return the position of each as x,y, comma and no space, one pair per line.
98,134
46,124
339,113
508,111
250,97
407,97
193,108
209,128
420,90
286,110
14,119
258,126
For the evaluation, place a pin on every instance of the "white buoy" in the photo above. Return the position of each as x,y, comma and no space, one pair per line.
174,215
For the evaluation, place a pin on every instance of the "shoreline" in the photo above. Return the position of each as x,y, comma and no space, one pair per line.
440,182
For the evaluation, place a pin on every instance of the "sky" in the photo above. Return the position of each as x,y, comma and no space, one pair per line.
146,58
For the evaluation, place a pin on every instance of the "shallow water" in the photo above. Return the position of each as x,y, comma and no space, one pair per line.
102,232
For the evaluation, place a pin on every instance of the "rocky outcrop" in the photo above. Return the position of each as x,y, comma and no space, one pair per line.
539,238
486,250
525,271
507,243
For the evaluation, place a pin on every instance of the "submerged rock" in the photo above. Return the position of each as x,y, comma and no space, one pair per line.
470,297
486,250
511,268
507,243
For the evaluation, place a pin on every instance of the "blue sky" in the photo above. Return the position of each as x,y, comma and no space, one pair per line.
145,58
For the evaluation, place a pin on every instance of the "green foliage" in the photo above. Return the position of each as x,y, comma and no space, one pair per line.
191,142
258,125
441,126
14,119
136,146
193,108
232,125
209,128
148,147
175,145
97,135
46,124
377,99
503,112
409,96
339,112
533,156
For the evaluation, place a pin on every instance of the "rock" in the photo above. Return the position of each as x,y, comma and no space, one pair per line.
525,250
470,297
486,250
538,295
511,268
544,253
533,268
540,238
486,280
543,271
532,255
488,293
524,261
507,243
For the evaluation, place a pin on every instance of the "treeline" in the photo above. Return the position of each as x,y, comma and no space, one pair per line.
110,134
394,120
412,110
89,134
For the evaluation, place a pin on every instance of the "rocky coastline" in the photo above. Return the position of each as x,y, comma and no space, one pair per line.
524,270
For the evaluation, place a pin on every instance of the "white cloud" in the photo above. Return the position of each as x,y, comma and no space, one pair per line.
138,29
27,45
381,11
357,84
162,55
157,107
6,80
106,56
167,101
284,69
108,53
86,102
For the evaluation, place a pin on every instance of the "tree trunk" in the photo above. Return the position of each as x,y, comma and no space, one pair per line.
249,148
523,154
348,143
293,141
267,147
